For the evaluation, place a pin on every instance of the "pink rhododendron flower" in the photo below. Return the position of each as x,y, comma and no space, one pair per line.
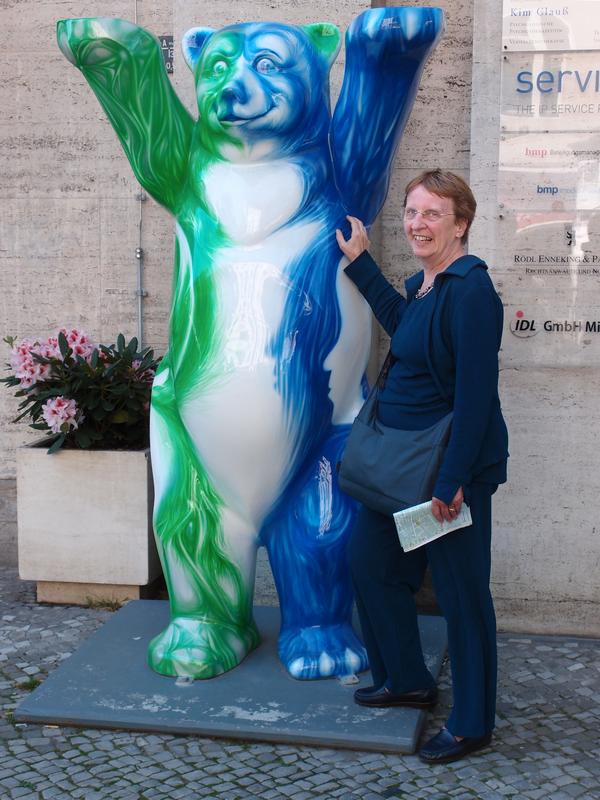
61,414
25,367
62,396
51,348
29,371
79,342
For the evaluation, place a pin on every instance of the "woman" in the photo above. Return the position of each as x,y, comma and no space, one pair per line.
445,338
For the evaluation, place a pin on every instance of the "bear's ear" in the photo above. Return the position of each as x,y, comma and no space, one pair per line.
326,39
192,43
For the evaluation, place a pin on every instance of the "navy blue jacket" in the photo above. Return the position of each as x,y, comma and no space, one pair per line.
462,343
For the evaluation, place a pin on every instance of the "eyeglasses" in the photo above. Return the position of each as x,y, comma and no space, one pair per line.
429,215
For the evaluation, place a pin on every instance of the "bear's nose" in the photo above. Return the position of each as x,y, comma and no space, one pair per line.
235,91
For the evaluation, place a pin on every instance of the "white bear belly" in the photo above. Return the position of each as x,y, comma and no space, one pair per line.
238,420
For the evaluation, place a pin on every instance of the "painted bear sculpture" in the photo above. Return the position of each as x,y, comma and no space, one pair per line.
268,340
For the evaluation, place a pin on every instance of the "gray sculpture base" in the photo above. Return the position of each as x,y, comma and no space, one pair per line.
107,684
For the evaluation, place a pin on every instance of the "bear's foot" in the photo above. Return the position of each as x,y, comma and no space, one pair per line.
197,648
322,651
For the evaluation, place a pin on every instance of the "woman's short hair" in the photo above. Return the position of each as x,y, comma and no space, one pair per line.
448,184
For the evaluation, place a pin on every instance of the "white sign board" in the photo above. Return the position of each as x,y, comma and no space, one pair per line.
550,92
549,172
549,331
554,25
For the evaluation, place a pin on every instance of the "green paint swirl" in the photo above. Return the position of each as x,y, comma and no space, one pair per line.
212,626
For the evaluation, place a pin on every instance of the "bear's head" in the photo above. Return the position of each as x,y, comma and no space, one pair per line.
262,88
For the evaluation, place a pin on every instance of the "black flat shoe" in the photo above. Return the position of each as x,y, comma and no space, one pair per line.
443,747
383,698
365,691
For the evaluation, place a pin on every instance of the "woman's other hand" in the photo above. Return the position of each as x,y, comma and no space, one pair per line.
442,512
358,241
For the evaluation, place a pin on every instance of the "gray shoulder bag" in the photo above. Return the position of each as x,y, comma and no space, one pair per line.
389,469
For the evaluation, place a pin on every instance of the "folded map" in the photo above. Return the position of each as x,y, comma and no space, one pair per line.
417,526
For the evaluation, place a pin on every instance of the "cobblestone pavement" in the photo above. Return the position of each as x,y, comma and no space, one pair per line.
547,741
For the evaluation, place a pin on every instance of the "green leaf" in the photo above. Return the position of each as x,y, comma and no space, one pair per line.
93,400
20,417
47,393
120,343
82,438
58,443
42,359
121,416
111,370
147,361
63,345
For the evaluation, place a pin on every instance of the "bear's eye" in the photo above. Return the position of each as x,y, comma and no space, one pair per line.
265,65
219,67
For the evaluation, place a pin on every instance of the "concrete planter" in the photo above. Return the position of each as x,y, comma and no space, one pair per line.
84,521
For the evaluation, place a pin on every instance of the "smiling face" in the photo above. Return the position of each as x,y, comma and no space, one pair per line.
257,82
436,242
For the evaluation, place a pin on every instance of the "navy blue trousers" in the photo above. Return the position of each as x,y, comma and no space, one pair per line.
386,579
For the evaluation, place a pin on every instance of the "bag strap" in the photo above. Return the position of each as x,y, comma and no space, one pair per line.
385,369
380,384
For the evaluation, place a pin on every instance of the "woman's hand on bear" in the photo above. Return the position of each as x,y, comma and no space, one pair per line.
358,242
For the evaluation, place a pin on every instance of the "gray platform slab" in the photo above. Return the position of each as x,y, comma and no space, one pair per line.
107,684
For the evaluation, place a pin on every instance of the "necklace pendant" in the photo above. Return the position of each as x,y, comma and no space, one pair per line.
422,292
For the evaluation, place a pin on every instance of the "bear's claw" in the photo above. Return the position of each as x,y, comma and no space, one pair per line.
197,648
323,651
